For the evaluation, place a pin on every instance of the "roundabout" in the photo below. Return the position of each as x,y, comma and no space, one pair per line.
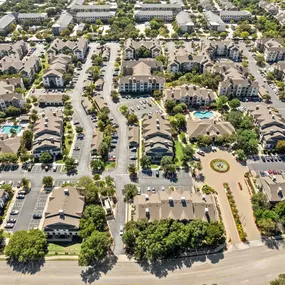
220,165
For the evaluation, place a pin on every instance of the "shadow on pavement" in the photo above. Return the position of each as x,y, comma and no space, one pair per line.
272,242
94,272
160,268
26,268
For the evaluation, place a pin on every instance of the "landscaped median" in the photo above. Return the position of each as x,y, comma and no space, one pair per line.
241,232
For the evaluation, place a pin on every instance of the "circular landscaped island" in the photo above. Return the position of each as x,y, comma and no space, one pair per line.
220,165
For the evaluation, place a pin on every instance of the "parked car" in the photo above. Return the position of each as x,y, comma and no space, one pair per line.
157,173
121,230
14,212
133,157
18,185
201,152
9,226
37,216
139,191
195,158
20,196
11,221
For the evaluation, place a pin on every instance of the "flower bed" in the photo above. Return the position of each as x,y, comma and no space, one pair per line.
220,165
241,232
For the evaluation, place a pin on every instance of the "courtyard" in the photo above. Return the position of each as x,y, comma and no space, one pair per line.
234,176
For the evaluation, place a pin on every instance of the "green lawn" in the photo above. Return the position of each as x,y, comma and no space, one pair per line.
67,141
178,152
63,249
110,165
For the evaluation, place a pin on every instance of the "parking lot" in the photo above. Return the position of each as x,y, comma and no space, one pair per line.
140,105
39,209
149,180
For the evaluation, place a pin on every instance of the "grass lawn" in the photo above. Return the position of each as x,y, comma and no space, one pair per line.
154,166
63,249
178,152
68,141
110,165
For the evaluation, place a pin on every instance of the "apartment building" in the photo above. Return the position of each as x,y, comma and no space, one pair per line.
147,15
32,17
48,133
207,5
273,186
272,49
191,95
236,82
93,8
9,144
226,49
157,138
138,49
6,24
175,205
53,76
62,23
270,124
78,48
138,77
63,213
97,139
279,70
184,22
18,49
270,8
8,94
182,61
175,8
236,16
214,22
91,17
208,127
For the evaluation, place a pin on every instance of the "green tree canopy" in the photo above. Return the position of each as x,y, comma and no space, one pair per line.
45,157
27,246
130,191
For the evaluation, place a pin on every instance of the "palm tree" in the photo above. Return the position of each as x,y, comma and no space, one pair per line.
25,182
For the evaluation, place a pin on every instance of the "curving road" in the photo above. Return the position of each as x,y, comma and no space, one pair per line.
255,266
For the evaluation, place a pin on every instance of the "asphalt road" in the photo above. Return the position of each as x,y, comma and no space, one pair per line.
120,172
254,266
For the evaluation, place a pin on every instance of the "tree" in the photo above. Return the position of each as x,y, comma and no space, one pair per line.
235,103
27,139
84,182
115,96
109,180
124,110
266,97
267,226
157,94
45,157
8,158
241,155
25,183
12,111
188,150
97,165
94,218
132,119
132,169
103,150
167,165
260,60
279,281
280,147
27,246
205,140
169,106
280,211
247,141
47,181
69,164
94,248
130,191
145,162
79,129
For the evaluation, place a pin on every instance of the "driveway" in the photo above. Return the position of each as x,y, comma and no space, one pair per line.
242,198
120,173
75,97
253,68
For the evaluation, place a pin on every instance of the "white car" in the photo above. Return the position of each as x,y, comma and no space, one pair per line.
201,152
139,191
121,230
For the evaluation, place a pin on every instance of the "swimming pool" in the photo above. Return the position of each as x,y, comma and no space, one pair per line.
7,129
204,115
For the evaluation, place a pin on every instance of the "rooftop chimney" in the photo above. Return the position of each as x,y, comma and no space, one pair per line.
206,210
61,213
146,197
66,191
204,197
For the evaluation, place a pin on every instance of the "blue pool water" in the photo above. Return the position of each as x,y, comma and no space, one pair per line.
6,129
204,115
